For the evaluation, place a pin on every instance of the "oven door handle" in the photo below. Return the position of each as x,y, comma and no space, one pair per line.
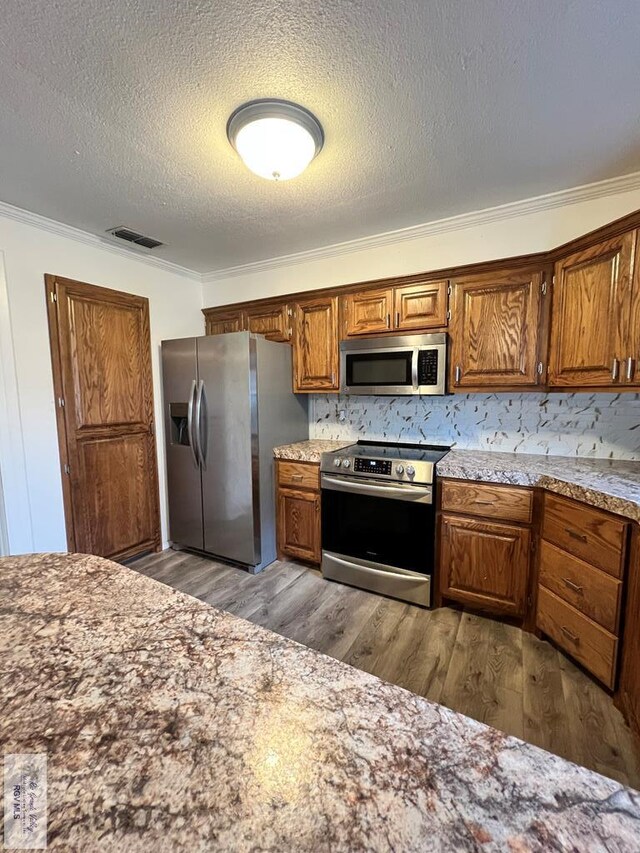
398,492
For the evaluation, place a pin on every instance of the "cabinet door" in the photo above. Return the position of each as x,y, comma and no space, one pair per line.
484,563
590,315
273,322
299,524
315,349
221,322
631,373
420,306
367,312
495,330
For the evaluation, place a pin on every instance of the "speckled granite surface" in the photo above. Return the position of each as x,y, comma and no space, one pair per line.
170,725
606,483
308,451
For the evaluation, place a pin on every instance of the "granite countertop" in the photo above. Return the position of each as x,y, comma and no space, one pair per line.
308,451
609,484
169,724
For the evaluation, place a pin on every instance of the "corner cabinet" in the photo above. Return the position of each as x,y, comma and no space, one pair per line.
315,345
595,339
497,330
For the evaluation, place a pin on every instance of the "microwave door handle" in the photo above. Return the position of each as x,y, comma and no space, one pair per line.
414,368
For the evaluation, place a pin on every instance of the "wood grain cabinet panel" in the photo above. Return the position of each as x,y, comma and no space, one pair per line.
301,475
588,533
299,524
222,322
367,312
508,503
591,315
485,564
273,322
420,306
592,592
595,648
315,346
495,329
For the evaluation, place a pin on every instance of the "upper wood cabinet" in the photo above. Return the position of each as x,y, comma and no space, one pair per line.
315,344
223,321
495,330
272,321
406,308
593,339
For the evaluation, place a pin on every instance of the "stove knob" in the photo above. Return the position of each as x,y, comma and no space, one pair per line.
346,464
337,462
399,469
410,470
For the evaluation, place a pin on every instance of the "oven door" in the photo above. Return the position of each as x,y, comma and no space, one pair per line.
386,524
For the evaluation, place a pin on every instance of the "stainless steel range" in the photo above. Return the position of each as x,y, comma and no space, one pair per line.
378,517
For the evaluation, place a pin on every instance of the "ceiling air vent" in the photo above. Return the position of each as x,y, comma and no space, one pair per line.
133,237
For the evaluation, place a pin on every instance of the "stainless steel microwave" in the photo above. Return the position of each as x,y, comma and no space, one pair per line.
407,364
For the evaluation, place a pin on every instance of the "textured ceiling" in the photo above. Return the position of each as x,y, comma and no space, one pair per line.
114,113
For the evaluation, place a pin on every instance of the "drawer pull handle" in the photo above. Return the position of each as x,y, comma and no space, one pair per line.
570,635
574,586
575,535
483,503
296,476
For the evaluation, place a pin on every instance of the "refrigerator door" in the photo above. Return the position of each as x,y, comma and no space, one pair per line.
184,482
228,446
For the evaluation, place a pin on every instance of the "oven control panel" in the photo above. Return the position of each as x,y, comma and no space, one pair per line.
373,466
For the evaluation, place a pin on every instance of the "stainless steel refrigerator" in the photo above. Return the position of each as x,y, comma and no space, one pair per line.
228,402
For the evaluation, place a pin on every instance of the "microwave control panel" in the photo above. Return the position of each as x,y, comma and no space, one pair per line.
428,367
373,466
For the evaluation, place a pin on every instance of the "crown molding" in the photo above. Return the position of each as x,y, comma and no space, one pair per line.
587,192
26,217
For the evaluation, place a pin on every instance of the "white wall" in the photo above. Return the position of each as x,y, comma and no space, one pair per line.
517,229
29,450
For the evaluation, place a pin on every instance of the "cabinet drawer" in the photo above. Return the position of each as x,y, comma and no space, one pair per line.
589,590
509,503
595,648
588,533
300,475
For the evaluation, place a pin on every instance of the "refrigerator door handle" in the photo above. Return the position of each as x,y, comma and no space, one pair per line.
202,451
190,423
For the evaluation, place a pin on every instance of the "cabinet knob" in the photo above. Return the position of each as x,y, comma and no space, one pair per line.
458,373
629,368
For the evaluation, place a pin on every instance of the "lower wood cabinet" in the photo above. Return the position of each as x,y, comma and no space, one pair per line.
298,511
580,583
485,563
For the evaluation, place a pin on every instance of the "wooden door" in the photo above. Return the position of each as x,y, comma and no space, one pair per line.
299,524
272,321
420,306
101,357
367,312
315,350
485,563
221,322
590,315
495,330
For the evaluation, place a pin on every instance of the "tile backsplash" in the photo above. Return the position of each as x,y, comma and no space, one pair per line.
595,425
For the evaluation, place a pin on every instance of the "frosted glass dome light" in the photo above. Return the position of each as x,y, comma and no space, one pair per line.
276,139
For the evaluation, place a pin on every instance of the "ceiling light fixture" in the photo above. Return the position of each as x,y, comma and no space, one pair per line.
276,139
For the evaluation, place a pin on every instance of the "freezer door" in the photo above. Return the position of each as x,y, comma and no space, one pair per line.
184,482
226,400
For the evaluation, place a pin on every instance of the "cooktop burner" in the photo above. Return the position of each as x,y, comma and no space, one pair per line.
409,463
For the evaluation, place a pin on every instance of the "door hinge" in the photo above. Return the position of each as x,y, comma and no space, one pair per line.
544,288
540,368
54,296
448,315
67,469
152,429
449,290
61,402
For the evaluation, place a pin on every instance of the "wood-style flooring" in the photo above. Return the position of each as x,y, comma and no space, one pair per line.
490,671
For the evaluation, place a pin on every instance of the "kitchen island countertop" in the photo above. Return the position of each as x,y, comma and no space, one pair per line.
168,724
